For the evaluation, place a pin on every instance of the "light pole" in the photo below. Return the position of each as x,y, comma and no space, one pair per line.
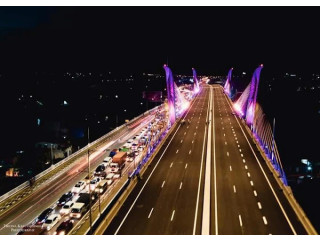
90,201
51,154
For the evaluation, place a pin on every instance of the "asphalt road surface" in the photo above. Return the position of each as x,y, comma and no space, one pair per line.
48,193
248,199
166,200
244,197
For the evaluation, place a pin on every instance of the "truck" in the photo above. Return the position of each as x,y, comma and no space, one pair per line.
113,152
118,162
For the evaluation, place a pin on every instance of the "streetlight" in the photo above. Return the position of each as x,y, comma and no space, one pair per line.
51,154
90,202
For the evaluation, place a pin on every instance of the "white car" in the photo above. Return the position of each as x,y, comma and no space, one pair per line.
79,187
51,221
107,161
109,178
94,183
140,149
130,141
116,176
66,208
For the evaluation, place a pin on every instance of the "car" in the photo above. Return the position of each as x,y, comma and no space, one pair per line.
100,170
136,153
130,157
64,227
134,146
102,187
94,183
116,176
109,178
79,187
51,221
43,216
65,198
140,149
66,208
107,161
130,141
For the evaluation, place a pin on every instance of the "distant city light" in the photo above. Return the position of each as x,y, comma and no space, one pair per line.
38,121
116,96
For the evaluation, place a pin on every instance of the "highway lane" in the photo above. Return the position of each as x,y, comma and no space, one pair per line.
165,202
248,198
48,193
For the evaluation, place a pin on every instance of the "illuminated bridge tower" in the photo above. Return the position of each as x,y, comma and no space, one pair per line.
195,81
171,94
228,86
246,104
252,98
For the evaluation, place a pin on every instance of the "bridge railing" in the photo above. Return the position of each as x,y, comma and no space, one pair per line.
75,154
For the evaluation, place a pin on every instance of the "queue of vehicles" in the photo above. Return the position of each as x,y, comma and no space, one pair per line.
75,203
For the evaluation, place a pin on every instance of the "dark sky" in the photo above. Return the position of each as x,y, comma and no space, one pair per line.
211,39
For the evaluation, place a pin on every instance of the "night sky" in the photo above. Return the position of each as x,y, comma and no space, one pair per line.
211,39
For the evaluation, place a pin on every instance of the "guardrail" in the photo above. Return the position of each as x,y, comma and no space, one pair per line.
286,189
83,227
115,204
43,173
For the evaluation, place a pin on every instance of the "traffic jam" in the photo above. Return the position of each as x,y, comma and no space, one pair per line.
62,216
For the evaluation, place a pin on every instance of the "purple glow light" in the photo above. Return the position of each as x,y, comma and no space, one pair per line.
227,86
171,94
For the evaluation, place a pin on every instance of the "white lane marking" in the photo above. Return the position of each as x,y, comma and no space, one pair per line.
228,154
243,160
181,141
196,127
255,193
237,142
163,184
230,168
275,195
172,215
186,165
192,141
265,220
225,143
215,178
187,126
199,184
251,183
195,133
171,165
180,185
240,150
190,152
259,205
238,146
222,128
240,220
150,213
177,151
234,189
246,167
185,133
236,138
248,174
241,155
224,134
